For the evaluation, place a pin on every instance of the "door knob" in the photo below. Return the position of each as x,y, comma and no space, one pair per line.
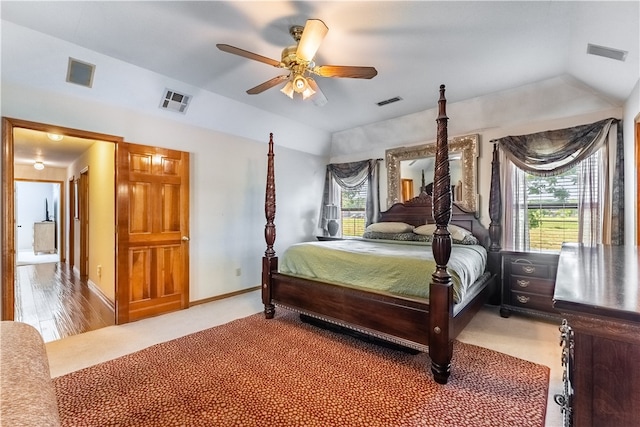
185,238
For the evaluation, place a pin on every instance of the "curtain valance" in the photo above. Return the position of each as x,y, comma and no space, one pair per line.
555,151
350,176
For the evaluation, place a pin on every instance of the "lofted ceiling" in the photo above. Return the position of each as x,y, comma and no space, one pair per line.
476,48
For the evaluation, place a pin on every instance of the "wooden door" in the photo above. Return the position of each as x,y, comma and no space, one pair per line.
83,206
637,145
152,218
71,218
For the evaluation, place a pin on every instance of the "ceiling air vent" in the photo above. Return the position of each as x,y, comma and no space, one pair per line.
175,101
607,52
80,73
389,101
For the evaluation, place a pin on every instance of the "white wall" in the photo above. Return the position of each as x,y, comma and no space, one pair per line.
631,117
99,163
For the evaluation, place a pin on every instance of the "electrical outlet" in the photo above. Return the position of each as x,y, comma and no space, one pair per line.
238,272
99,271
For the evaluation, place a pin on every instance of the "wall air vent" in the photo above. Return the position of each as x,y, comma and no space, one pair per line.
80,73
389,101
175,101
607,52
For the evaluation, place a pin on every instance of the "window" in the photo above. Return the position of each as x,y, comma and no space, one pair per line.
553,207
351,198
587,165
352,211
552,210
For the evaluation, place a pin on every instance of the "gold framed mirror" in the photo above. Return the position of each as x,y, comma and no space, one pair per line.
410,170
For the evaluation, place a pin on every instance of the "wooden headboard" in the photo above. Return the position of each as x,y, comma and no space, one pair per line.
419,211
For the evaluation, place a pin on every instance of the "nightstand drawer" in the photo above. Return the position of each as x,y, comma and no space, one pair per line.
528,282
523,267
532,285
531,301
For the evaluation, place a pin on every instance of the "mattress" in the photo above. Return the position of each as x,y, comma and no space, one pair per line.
394,267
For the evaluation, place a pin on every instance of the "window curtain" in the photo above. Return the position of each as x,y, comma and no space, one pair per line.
600,202
516,222
352,176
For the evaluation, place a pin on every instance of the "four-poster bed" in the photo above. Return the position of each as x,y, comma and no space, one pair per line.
423,323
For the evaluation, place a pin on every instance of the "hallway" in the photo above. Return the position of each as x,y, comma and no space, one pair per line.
49,297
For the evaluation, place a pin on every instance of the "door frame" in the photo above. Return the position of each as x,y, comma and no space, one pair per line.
83,205
637,168
60,229
8,223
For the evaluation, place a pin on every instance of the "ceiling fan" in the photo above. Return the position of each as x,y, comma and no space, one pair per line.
298,59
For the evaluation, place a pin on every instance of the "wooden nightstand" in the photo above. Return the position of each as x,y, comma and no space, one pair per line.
528,281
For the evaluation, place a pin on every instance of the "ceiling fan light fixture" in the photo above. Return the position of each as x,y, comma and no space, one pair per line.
308,92
314,32
38,166
318,99
300,63
288,89
300,83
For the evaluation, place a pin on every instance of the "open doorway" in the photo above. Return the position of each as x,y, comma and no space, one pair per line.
38,215
42,228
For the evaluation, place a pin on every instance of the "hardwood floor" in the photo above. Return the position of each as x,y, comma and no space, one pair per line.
57,303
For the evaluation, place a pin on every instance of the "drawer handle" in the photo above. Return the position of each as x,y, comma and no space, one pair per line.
523,283
523,299
528,269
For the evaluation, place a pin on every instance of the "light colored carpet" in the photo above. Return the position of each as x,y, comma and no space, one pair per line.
527,338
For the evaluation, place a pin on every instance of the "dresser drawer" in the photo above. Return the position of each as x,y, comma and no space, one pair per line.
528,282
523,267
532,301
532,285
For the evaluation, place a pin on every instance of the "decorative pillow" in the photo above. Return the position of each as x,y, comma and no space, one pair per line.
405,237
390,227
469,239
425,230
458,234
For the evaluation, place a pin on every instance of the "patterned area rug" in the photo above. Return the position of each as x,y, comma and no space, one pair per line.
282,372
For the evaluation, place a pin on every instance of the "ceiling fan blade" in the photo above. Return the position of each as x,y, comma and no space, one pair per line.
312,36
246,54
267,85
345,71
318,97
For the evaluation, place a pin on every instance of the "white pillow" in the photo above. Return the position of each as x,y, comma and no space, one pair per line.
425,230
457,233
390,227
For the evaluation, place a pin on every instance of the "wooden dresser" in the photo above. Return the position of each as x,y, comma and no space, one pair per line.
597,292
528,279
44,237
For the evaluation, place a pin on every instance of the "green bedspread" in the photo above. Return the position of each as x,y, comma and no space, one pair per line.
400,268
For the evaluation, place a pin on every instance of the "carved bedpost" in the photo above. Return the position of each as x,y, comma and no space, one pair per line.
269,260
441,291
495,228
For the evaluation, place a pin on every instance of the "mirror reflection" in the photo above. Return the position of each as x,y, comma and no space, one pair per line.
411,169
417,176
